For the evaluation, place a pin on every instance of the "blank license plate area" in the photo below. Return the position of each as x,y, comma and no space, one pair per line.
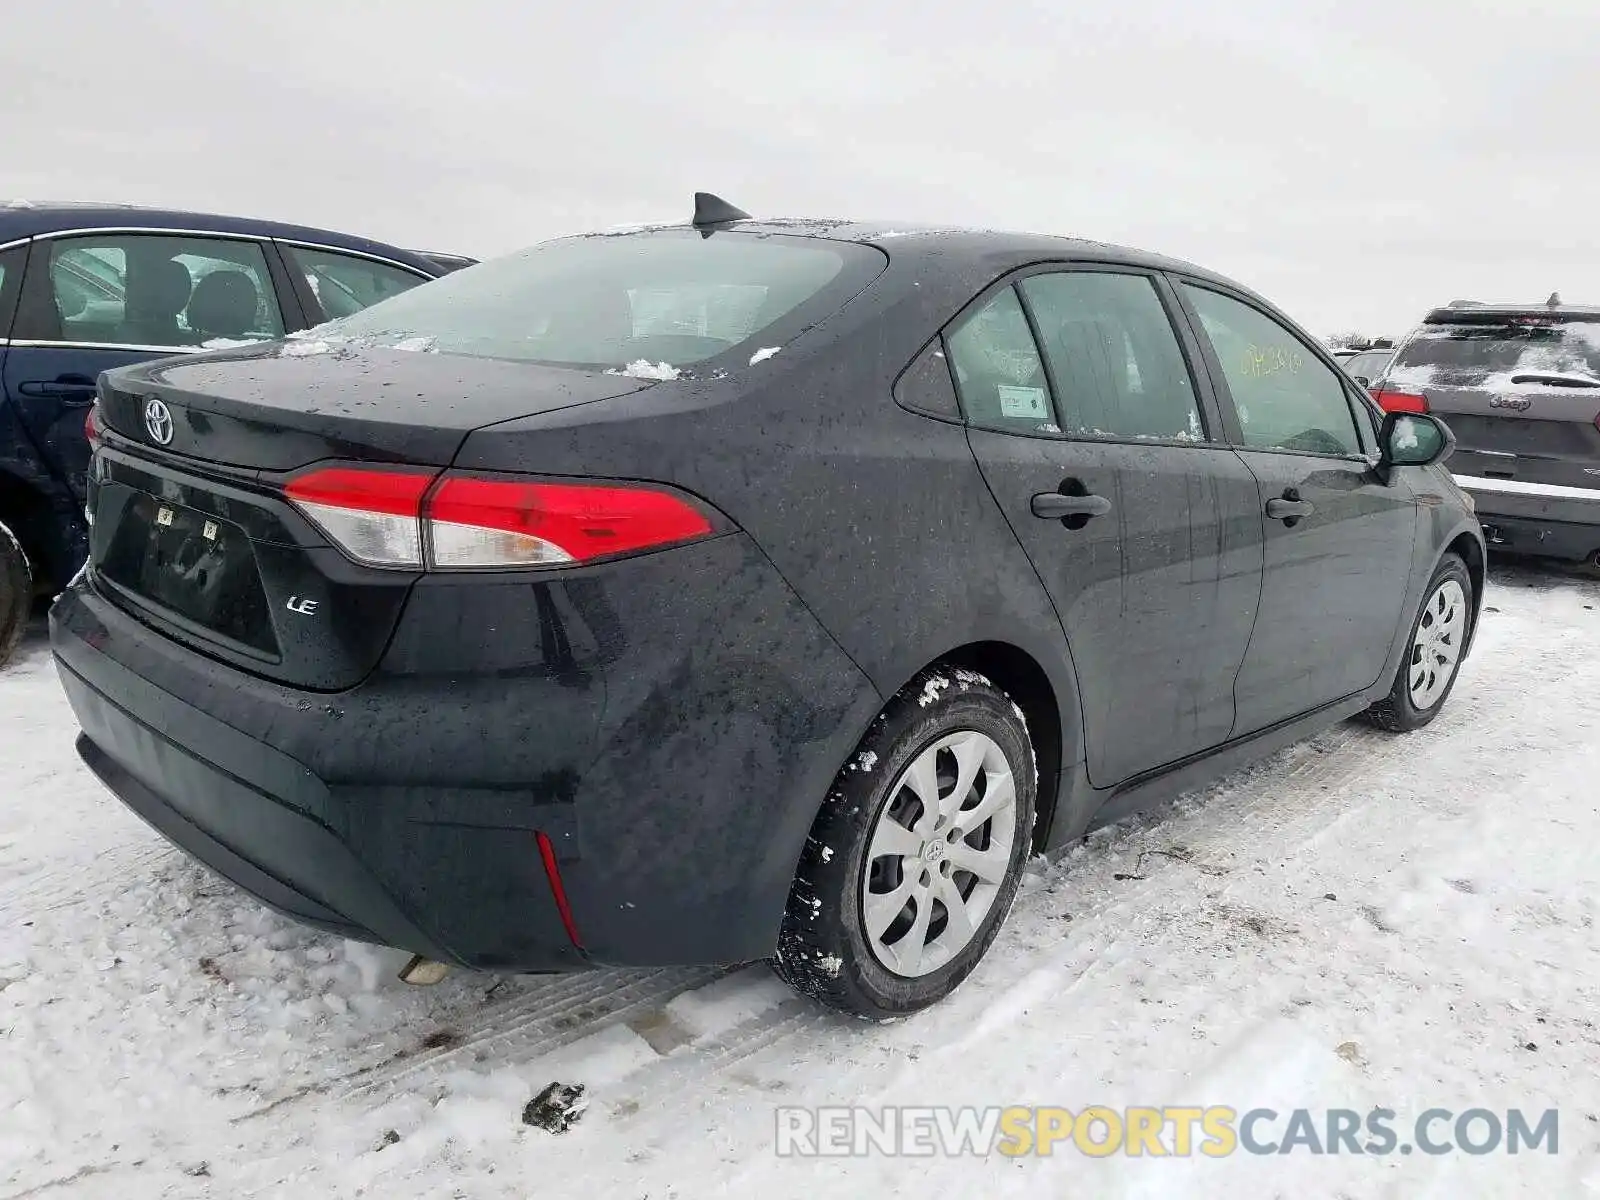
196,566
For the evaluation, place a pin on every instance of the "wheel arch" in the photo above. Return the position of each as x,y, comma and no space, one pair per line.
1469,549
1021,676
27,512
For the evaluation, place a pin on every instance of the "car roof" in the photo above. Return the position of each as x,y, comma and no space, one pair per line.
908,238
21,219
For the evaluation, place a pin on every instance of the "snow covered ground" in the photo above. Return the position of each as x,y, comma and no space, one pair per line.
1360,921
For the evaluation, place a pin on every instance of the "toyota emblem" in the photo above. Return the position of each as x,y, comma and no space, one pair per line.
158,420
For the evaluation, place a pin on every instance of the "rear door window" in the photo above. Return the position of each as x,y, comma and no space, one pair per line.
345,284
1285,396
1115,362
10,282
158,290
999,374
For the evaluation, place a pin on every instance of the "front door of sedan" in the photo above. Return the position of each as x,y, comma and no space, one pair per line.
1339,541
1141,527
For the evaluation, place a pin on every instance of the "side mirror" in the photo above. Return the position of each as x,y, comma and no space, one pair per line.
1413,440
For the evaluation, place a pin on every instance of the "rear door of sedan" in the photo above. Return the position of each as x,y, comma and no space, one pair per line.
1104,451
1339,540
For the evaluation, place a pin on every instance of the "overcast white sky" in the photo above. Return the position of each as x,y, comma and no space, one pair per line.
1355,161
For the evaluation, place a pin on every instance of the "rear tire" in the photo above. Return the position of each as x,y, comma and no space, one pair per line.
16,593
1439,635
897,898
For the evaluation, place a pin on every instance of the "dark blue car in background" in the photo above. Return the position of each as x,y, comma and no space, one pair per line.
84,288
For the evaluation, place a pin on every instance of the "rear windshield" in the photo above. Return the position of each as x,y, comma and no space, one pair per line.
647,303
1486,354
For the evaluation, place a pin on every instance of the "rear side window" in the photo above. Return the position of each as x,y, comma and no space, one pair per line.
10,280
999,374
651,303
1286,398
926,387
1114,358
1489,355
345,284
158,290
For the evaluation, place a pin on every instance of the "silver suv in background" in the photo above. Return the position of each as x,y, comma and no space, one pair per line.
1520,388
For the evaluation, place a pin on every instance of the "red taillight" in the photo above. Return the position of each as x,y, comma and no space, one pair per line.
493,523
379,517
91,427
552,870
373,516
1401,402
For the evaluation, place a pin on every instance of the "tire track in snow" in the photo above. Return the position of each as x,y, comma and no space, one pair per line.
82,882
548,1016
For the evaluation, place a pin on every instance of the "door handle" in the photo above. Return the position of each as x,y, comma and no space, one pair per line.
1289,508
1054,506
73,391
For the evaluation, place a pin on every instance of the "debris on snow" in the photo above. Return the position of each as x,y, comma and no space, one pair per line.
557,1108
1351,1053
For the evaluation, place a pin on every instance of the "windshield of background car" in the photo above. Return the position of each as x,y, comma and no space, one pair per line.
1475,355
655,301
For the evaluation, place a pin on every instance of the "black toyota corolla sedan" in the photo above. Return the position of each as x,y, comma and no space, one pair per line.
742,589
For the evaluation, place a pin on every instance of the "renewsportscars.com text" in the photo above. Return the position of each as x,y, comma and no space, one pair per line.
1172,1130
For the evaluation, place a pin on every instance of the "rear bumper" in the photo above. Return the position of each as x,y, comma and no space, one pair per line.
622,713
1529,518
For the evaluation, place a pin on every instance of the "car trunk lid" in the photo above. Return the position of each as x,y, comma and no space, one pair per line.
284,405
192,532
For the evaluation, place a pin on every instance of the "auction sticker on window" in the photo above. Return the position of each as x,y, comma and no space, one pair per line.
1027,403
